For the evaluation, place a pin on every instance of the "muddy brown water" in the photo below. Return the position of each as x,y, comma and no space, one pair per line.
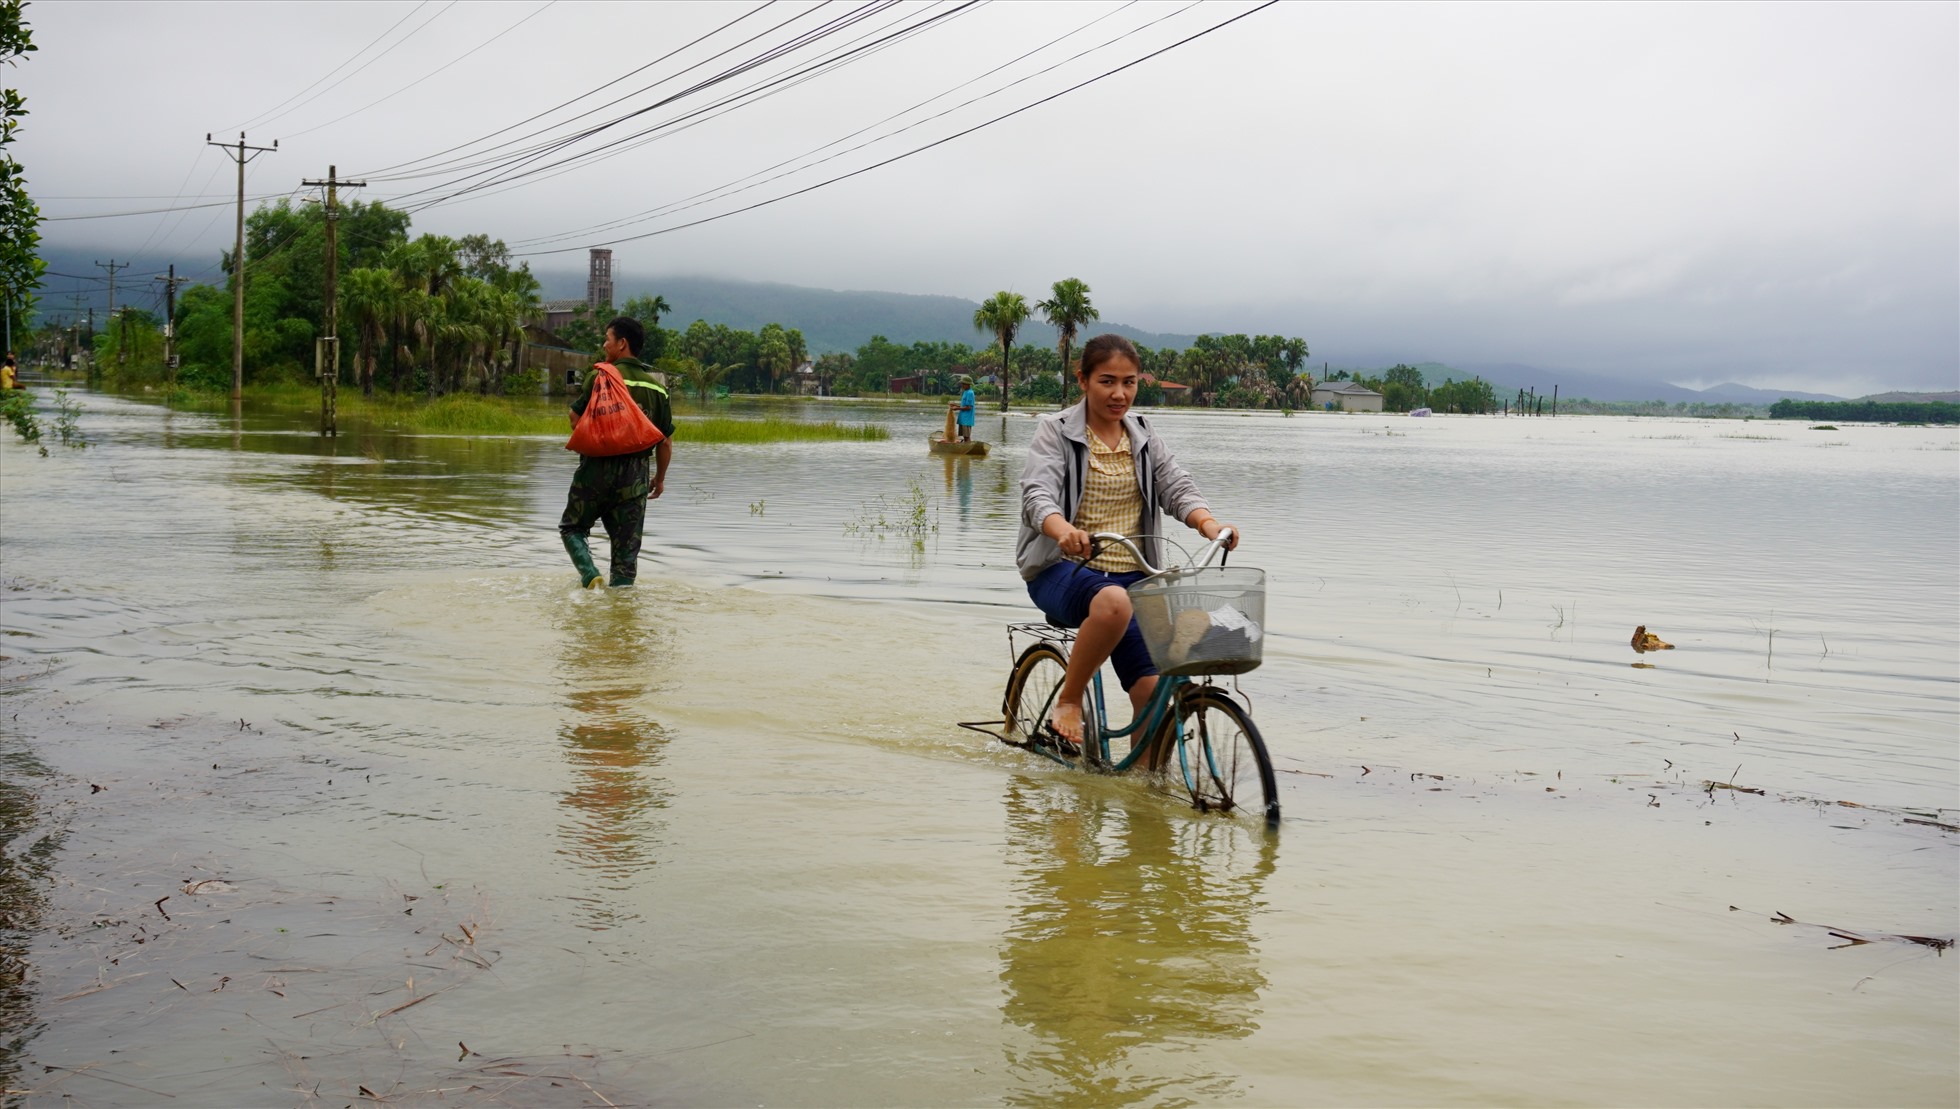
322,777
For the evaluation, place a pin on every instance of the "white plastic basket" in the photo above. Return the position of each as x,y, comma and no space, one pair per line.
1208,621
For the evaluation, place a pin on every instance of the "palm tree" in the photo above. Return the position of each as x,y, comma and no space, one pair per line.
1293,353
654,307
368,296
1067,310
772,354
706,375
502,317
1003,314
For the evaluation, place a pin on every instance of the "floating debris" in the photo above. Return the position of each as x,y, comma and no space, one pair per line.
1644,641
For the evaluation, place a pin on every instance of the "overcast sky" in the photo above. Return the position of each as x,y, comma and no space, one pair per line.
1694,193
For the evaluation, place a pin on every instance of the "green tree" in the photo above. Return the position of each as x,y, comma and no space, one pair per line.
367,297
878,361
1067,310
1293,354
647,310
704,376
773,353
20,220
830,369
1402,388
1003,314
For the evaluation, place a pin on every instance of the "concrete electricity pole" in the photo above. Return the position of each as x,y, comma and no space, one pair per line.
240,156
112,267
170,284
326,355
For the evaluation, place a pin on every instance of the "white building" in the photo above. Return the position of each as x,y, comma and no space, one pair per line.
1346,396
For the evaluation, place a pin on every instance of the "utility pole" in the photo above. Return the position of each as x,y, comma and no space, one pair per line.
327,350
112,267
238,260
74,331
170,284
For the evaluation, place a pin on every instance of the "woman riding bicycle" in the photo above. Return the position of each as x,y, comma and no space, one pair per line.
1098,467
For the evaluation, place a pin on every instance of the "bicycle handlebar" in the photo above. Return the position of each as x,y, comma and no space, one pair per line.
1210,550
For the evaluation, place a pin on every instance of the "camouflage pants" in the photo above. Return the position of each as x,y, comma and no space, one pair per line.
612,492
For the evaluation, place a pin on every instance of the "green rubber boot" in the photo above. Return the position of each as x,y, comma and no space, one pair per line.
588,574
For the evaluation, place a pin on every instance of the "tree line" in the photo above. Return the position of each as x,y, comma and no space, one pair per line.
1868,411
435,315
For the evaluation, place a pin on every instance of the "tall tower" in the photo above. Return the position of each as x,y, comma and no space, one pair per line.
598,279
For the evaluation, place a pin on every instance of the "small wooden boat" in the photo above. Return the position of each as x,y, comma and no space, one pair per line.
948,441
973,448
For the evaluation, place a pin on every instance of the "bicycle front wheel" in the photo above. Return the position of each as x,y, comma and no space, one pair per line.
1213,745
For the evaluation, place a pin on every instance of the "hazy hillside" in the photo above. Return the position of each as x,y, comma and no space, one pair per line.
1509,377
831,319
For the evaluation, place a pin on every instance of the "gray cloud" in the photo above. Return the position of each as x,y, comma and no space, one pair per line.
1696,193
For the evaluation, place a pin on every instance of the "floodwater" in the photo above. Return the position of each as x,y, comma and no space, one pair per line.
335,786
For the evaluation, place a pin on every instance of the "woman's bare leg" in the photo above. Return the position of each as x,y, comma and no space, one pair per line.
1101,631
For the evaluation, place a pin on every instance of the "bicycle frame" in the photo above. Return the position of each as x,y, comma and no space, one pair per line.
1163,699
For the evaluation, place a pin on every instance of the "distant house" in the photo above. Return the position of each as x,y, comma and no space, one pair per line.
804,377
554,314
1346,396
1173,392
911,384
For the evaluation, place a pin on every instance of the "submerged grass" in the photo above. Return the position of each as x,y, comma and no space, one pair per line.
726,429
470,414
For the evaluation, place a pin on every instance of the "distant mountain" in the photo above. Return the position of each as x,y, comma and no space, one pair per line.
832,319
1509,377
1743,394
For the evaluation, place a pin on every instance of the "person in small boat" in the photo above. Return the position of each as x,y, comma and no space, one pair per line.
1096,466
966,409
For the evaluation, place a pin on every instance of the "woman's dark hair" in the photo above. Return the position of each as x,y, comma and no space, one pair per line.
628,330
1102,348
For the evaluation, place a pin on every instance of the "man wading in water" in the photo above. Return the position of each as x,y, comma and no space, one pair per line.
613,489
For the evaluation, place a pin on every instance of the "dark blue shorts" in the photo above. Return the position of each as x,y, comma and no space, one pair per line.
1063,592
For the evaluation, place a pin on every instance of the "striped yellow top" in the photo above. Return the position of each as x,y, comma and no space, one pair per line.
1111,502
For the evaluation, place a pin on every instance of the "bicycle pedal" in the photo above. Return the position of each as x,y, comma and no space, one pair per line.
1050,738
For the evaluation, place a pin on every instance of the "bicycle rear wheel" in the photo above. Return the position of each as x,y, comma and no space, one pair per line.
1216,750
1031,689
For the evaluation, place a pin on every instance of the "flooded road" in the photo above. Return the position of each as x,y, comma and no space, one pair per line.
334,780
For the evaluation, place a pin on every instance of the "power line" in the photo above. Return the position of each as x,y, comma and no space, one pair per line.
225,203
354,73
919,149
747,96
581,96
727,189
426,76
507,171
500,161
336,69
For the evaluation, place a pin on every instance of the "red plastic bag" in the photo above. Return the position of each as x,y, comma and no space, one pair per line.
613,422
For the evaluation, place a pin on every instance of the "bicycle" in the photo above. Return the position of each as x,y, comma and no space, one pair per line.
1199,622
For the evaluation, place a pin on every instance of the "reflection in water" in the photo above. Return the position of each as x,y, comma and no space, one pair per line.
1133,937
959,482
610,656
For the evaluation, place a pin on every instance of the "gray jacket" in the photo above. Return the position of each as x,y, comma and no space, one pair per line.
1056,470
